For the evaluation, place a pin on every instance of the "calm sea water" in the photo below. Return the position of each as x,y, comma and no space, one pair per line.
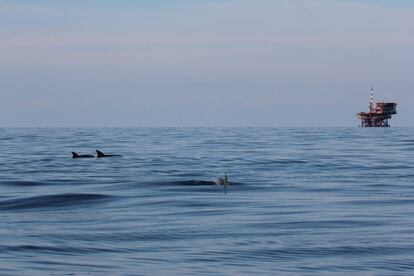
302,201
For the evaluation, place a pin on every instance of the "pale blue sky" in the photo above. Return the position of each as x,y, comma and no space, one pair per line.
203,63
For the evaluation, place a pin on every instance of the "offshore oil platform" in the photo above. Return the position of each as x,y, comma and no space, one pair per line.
379,114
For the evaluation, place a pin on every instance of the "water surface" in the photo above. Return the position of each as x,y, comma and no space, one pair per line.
303,201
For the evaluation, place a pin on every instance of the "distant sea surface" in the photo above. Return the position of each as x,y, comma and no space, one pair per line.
329,201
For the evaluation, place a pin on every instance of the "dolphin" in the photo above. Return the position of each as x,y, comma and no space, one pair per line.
216,182
100,154
221,181
75,155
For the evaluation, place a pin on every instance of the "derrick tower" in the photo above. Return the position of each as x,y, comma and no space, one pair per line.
379,113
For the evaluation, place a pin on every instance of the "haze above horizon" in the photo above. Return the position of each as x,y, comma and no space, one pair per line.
203,63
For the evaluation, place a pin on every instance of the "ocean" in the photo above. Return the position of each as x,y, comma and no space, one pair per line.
301,201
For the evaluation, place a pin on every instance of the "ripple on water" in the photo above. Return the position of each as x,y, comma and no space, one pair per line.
302,200
53,201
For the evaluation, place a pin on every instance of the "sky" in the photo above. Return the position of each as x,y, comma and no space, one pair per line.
280,63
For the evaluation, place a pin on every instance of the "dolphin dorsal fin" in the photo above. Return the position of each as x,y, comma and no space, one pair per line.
100,153
74,155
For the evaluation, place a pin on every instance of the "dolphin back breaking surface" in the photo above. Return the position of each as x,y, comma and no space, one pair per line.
100,154
76,155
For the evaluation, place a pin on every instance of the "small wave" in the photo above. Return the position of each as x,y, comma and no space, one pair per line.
312,252
279,161
65,250
22,183
46,182
290,161
47,201
405,176
400,200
